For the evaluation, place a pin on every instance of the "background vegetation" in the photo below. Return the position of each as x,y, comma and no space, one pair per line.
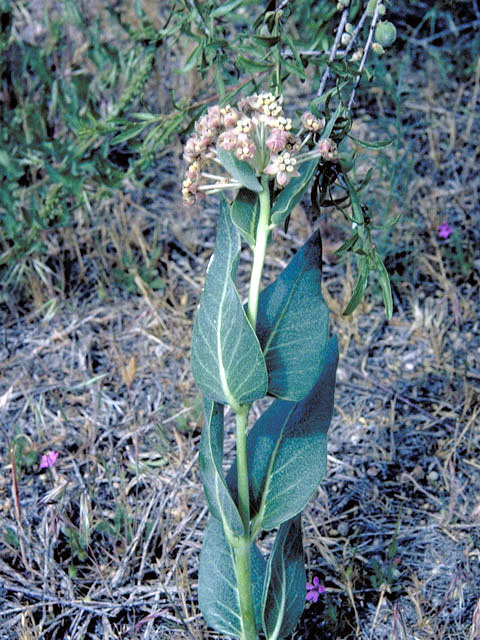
100,271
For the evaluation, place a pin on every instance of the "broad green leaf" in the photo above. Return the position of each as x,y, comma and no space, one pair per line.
360,286
217,586
287,451
239,170
371,145
227,361
244,211
384,281
293,192
292,324
210,460
283,598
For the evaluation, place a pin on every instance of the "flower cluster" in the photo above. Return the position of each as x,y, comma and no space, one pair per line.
256,132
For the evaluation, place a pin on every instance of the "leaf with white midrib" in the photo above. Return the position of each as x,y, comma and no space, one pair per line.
287,451
292,324
283,597
217,587
227,361
210,460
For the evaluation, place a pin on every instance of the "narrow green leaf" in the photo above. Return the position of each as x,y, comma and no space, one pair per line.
360,286
210,460
131,132
292,324
252,66
267,41
293,192
331,123
245,211
227,361
371,145
225,8
217,586
384,281
287,451
348,244
356,205
387,225
239,170
296,69
283,598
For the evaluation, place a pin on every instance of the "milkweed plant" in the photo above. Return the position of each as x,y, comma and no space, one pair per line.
261,156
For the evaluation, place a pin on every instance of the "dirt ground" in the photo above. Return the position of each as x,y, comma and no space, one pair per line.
105,544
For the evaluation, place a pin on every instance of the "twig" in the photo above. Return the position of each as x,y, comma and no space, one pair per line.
333,53
355,34
475,8
365,54
445,32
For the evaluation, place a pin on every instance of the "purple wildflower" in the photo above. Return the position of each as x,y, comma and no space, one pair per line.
48,459
445,230
314,590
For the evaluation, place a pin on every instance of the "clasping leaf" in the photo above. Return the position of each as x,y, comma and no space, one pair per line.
227,361
210,459
245,211
239,170
287,451
292,324
283,598
217,585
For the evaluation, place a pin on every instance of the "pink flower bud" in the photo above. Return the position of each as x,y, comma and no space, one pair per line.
277,140
245,148
311,123
328,150
227,140
231,118
214,118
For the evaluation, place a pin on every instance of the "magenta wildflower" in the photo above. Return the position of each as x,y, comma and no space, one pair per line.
48,459
445,230
314,590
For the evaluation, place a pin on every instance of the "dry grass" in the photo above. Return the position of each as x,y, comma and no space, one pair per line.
105,544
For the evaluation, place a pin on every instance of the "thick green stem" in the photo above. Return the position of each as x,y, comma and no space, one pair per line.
242,548
259,252
243,545
242,468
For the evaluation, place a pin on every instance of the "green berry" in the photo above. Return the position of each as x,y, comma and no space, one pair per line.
385,33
